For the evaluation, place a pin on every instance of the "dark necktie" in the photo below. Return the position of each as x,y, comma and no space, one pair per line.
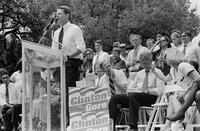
145,82
112,87
184,49
7,94
97,58
60,38
135,52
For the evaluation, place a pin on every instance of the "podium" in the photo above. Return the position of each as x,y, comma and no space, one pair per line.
44,90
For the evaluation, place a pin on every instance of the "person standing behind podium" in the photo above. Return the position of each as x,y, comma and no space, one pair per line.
69,39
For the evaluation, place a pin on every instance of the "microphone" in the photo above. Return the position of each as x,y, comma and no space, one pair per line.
49,25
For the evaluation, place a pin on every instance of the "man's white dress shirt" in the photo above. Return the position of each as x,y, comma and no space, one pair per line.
14,94
120,78
154,83
72,40
100,57
192,52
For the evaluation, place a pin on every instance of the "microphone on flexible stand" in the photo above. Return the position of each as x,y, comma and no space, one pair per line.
49,26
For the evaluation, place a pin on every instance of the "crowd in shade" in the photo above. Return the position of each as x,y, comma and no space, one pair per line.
136,75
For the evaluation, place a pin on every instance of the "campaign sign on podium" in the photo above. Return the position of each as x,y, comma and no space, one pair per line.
44,90
88,109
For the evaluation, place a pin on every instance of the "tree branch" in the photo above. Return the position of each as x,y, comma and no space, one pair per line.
11,27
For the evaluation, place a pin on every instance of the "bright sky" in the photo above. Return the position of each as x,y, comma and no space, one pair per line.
196,3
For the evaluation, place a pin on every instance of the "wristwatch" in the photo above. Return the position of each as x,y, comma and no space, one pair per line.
67,57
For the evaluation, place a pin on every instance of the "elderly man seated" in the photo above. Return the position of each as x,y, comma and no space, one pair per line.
144,91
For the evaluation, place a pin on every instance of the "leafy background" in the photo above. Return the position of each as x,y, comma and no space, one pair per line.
109,20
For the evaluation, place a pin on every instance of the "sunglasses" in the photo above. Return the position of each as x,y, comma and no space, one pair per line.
163,41
53,81
6,77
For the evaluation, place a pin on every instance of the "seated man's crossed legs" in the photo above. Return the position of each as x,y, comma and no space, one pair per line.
133,101
7,117
11,116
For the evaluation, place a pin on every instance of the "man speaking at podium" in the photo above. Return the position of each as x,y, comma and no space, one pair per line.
69,39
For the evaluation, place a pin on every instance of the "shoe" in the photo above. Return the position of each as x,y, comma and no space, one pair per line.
176,116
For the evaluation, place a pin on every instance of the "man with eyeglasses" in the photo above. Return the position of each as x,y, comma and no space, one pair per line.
10,101
190,50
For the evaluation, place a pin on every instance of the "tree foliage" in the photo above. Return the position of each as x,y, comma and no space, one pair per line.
109,20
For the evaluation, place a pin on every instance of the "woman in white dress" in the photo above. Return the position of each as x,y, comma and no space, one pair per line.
182,81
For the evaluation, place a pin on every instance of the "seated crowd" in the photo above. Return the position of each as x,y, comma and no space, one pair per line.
11,99
137,76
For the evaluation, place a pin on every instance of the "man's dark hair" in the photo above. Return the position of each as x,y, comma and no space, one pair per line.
4,72
99,42
162,32
134,31
176,30
65,8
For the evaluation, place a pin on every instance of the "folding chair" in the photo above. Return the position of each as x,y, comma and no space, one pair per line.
158,120
142,118
142,121
156,114
123,120
191,123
